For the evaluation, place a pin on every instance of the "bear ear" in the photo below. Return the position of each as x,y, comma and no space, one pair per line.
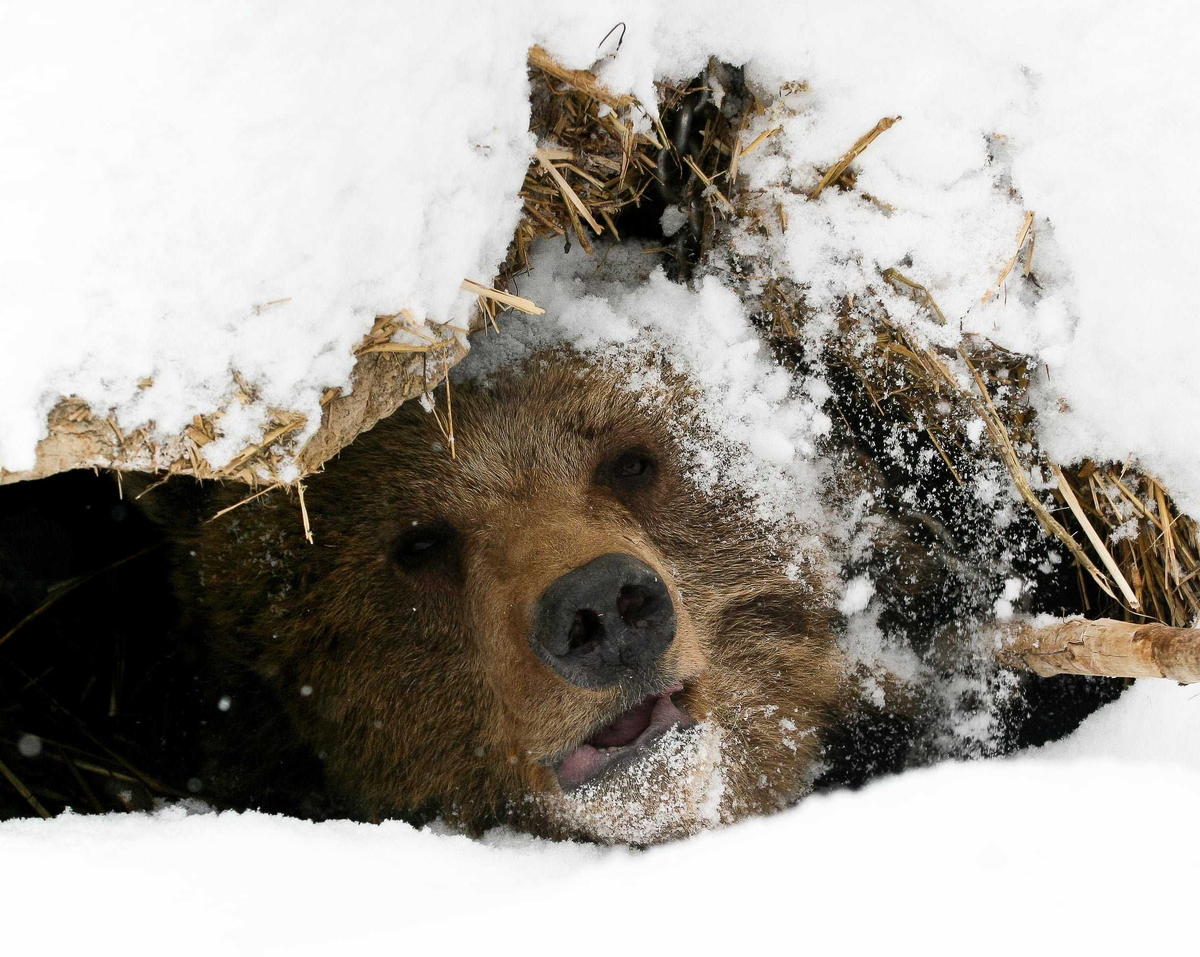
178,503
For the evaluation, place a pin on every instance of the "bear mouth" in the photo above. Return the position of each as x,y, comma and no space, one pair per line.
623,740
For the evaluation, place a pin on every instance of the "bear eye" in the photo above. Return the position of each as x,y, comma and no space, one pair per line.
633,468
423,544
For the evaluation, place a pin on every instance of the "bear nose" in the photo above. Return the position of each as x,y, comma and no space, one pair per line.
607,620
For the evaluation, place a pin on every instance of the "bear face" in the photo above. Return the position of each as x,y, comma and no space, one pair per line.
555,628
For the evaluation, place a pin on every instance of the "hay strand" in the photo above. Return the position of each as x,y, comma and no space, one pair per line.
274,435
308,535
404,347
23,791
582,80
834,173
506,298
760,139
1072,501
565,188
924,297
994,289
249,498
709,185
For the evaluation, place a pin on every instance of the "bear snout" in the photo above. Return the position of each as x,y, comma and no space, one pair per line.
607,620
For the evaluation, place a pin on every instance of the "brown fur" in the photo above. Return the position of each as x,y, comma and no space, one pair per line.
418,684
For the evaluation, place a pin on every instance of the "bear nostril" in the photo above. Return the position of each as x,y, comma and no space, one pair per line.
634,604
586,630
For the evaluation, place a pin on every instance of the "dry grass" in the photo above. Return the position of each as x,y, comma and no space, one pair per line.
591,162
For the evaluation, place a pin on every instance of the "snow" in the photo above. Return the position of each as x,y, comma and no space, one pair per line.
857,595
1097,107
674,791
30,745
987,856
239,187
1004,604
1153,723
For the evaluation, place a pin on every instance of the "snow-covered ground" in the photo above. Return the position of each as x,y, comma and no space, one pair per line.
187,192
1088,847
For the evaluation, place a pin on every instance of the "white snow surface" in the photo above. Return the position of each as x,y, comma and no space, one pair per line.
1058,849
190,191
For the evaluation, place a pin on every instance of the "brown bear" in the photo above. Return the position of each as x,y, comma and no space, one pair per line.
553,629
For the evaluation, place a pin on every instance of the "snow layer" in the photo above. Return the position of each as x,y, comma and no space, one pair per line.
194,190
983,857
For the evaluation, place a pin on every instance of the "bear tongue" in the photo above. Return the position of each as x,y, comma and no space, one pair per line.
626,728
587,760
653,715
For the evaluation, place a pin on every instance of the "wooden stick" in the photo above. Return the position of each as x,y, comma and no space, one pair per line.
1117,649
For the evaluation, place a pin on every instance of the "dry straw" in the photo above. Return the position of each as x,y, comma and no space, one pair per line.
591,162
